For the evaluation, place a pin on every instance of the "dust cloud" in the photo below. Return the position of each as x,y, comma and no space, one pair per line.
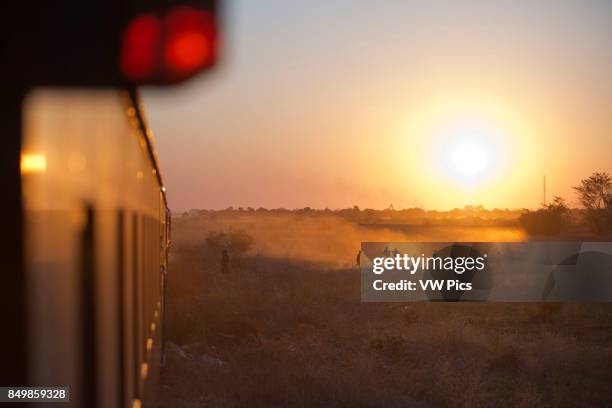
322,238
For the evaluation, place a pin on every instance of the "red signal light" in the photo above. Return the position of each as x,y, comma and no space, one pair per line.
140,43
187,51
190,40
168,49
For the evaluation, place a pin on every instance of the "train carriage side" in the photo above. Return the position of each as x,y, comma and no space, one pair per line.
97,235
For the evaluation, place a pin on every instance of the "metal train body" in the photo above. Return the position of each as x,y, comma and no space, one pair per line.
96,238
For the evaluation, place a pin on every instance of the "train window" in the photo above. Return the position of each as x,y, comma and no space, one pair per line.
121,355
136,320
88,312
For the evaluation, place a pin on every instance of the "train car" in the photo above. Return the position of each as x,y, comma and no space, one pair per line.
87,225
97,228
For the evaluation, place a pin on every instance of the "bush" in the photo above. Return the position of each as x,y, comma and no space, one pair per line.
236,241
550,220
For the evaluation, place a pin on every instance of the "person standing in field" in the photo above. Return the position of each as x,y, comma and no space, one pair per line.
224,261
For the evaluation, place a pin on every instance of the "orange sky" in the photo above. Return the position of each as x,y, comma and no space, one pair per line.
334,104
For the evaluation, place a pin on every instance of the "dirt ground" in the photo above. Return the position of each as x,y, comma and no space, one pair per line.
291,331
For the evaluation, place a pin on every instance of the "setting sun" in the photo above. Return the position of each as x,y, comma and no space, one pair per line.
470,159
472,147
472,150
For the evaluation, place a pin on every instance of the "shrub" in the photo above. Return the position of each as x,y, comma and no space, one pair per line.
550,220
237,241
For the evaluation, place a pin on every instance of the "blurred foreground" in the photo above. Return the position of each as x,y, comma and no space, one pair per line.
285,327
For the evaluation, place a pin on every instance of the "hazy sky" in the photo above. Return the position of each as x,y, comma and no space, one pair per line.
427,103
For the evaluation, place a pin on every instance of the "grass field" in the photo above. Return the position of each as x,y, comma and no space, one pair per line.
286,329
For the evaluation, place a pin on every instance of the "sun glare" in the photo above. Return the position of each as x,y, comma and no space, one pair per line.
466,149
471,154
470,159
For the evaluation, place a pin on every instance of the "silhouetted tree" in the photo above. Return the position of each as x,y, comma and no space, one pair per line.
558,205
595,195
549,220
595,192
